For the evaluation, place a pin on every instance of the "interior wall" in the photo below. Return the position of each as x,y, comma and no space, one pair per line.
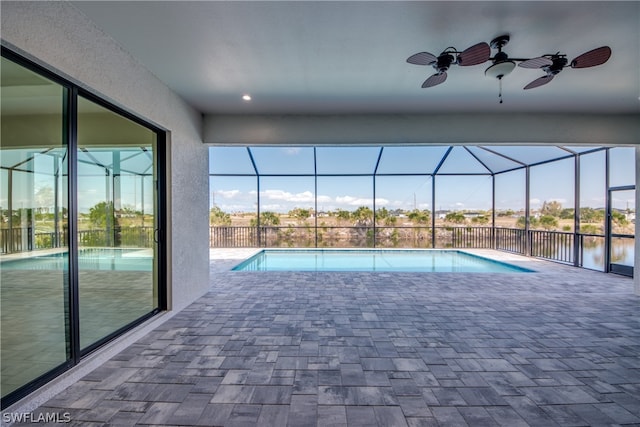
418,129
61,38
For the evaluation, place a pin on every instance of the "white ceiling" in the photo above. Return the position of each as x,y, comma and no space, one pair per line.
319,57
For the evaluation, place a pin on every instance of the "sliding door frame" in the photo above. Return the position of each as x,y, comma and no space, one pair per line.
70,140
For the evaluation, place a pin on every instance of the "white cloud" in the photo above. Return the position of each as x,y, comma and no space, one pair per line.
304,197
360,201
227,194
272,207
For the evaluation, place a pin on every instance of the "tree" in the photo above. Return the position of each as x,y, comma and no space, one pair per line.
218,217
591,215
299,214
455,217
548,222
419,216
567,213
482,219
619,218
266,219
101,213
343,215
362,216
552,208
384,216
520,223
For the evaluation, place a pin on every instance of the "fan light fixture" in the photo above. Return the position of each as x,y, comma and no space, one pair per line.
502,65
500,69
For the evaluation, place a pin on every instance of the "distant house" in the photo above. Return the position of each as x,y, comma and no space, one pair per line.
441,214
471,215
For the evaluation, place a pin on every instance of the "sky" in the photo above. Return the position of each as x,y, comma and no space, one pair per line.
549,182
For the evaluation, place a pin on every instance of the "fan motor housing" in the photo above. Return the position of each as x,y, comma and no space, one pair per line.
558,64
444,62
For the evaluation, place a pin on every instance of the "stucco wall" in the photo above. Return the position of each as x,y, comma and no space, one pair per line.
58,36
419,129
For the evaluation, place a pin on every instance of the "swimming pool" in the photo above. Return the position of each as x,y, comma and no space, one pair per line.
429,260
88,259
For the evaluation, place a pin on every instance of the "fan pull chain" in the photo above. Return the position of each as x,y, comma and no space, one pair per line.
500,90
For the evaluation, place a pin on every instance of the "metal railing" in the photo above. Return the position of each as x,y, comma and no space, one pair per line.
556,246
26,239
552,245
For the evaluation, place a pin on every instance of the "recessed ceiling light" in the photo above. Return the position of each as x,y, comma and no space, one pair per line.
246,97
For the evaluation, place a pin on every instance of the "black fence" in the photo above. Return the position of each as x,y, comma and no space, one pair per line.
551,245
26,239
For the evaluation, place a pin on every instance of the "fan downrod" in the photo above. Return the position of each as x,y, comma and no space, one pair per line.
500,42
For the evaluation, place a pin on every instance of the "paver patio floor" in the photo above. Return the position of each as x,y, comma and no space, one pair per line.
556,347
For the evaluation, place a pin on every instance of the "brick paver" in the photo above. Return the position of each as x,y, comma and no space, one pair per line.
556,347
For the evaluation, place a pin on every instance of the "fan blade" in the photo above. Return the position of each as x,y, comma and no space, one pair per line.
539,62
592,58
434,80
476,54
539,82
422,58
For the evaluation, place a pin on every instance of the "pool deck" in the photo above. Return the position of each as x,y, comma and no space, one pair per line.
559,347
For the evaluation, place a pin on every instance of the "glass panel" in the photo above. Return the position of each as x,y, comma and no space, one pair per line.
233,206
593,189
493,161
511,199
284,160
623,212
346,160
552,196
345,211
34,253
230,160
117,218
622,166
622,251
459,161
462,201
403,211
410,159
287,211
530,154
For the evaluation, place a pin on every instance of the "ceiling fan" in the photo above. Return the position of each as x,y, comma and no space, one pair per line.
502,64
553,64
476,54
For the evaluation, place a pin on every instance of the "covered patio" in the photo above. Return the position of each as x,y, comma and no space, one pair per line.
557,347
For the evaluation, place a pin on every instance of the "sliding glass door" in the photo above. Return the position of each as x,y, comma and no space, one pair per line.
80,224
116,221
34,258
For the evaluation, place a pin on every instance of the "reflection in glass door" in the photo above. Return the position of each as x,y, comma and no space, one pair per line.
34,250
622,216
116,221
80,212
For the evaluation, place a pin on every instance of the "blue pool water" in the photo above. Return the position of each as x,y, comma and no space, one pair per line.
88,259
436,261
